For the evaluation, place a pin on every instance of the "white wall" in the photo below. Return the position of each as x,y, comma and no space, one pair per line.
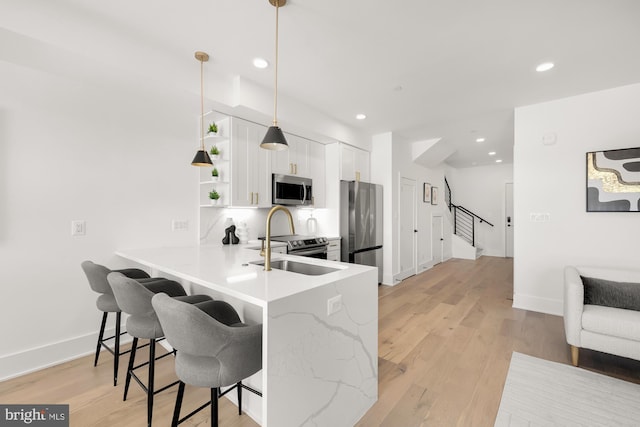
112,155
391,159
551,179
482,190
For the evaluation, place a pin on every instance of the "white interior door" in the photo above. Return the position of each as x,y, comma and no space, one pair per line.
407,236
437,239
508,221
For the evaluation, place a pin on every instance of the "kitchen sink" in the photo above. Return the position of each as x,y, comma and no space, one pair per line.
299,267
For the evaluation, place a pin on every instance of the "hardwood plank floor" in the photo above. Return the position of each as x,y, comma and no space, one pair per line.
445,342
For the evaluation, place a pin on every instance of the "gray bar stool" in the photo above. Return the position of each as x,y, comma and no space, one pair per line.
106,302
134,299
213,349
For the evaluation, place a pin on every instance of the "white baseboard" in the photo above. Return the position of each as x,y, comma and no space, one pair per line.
425,266
541,305
24,362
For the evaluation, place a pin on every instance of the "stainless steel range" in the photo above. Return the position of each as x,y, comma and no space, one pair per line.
315,247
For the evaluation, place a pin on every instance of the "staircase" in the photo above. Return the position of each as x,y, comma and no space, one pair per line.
464,228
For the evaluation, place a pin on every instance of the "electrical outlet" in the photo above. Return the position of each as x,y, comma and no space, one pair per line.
78,228
334,305
179,225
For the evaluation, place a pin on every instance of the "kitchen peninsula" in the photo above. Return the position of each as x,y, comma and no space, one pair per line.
318,368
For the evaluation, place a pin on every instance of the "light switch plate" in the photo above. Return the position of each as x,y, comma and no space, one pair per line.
334,305
78,228
179,225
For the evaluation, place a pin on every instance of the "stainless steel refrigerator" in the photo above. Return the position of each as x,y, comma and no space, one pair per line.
361,223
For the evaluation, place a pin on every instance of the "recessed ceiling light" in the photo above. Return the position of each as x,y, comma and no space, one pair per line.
492,153
480,140
545,66
260,63
361,116
499,161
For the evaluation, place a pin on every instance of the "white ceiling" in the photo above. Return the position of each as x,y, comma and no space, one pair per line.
463,65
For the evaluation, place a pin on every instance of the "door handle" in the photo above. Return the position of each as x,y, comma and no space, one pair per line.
415,231
441,239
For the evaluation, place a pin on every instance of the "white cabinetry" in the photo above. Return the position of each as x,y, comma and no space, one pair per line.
316,162
250,165
294,160
354,163
333,250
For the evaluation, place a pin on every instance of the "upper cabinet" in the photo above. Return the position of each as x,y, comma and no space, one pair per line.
354,163
316,163
294,160
250,165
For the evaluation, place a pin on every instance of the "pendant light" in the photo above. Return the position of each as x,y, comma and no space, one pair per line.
202,157
274,139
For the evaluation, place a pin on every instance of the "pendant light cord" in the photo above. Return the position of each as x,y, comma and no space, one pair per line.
275,86
202,104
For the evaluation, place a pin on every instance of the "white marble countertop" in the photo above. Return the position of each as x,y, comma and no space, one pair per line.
228,269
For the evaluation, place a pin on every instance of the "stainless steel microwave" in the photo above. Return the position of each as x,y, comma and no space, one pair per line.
292,190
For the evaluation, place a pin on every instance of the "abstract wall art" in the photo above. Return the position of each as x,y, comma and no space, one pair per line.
613,180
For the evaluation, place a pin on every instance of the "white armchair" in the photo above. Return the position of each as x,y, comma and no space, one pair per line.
607,329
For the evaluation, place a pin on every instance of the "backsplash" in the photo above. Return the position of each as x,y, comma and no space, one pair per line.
213,222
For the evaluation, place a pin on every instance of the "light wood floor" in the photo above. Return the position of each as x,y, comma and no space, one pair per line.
445,342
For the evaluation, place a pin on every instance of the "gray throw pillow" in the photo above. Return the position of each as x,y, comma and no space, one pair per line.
611,294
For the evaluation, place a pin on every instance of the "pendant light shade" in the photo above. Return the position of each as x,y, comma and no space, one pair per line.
274,139
202,157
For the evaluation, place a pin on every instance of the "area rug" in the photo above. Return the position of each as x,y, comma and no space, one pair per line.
542,393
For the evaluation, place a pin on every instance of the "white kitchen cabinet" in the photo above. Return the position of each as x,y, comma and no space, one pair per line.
250,165
293,160
333,250
317,172
354,163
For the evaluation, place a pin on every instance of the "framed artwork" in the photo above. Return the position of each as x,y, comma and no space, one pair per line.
426,193
434,195
613,180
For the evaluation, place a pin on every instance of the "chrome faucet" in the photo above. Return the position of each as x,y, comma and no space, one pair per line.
266,251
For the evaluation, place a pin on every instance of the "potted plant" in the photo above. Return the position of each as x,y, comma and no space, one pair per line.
215,197
215,175
213,129
214,153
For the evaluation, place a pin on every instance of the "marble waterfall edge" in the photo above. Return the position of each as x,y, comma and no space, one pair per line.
330,362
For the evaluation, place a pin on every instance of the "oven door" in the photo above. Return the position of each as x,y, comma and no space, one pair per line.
320,253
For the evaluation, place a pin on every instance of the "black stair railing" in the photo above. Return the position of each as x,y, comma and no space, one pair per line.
464,221
447,194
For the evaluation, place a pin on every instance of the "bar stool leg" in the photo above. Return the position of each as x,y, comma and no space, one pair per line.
239,387
100,336
116,349
132,358
152,359
214,407
176,410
